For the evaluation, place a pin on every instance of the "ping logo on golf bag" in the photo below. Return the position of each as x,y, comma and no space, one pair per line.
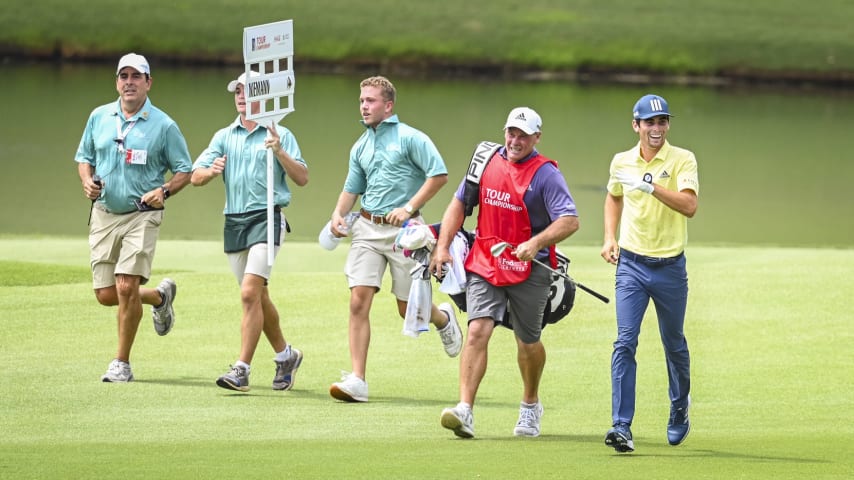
479,159
482,153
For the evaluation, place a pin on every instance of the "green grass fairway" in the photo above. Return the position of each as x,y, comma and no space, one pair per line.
770,331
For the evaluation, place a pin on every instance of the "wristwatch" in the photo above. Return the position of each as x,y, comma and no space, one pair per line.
165,192
408,208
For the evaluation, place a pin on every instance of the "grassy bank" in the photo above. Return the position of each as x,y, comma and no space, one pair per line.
771,342
762,39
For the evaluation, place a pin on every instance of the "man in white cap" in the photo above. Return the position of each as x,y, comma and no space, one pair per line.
238,153
523,200
126,148
652,192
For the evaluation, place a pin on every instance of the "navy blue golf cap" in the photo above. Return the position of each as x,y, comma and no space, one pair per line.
651,106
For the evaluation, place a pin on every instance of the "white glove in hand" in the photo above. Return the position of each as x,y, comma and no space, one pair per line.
630,183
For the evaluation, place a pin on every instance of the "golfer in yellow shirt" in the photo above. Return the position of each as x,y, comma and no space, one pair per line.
652,191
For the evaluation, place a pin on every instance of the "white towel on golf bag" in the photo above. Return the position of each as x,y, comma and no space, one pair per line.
418,308
415,235
454,281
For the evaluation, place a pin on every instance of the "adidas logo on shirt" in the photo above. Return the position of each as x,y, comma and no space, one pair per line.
664,174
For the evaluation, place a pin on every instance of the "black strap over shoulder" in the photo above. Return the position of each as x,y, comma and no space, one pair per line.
479,159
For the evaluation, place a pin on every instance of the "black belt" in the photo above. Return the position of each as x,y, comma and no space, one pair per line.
380,219
100,206
650,261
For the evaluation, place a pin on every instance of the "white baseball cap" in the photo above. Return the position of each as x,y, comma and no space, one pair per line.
524,119
137,62
232,85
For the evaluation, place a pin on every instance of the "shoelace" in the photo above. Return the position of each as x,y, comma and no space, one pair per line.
678,413
118,370
288,364
527,416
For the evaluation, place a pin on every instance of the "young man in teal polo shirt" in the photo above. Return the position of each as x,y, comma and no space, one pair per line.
127,147
396,170
652,191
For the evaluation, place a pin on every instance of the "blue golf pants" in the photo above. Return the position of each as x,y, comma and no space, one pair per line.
638,280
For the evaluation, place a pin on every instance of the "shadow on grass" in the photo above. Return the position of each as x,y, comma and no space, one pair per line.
420,401
580,439
746,456
177,382
683,452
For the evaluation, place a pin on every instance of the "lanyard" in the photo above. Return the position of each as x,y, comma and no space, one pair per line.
120,135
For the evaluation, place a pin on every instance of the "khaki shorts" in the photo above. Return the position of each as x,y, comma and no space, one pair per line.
254,259
527,300
371,251
122,244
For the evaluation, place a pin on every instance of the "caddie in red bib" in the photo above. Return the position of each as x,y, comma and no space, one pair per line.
524,209
503,217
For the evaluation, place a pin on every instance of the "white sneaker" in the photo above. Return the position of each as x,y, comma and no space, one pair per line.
118,371
529,421
452,336
164,317
459,419
350,389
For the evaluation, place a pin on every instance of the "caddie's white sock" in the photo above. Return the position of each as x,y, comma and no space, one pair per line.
243,364
528,405
284,354
464,405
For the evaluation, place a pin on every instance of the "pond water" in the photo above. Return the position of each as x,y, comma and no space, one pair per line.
774,166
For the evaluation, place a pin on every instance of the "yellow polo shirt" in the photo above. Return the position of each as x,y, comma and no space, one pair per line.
648,226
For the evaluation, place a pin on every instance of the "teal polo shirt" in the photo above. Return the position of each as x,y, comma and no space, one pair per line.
245,174
152,144
389,164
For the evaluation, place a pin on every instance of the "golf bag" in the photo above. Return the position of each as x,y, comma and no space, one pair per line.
417,242
560,302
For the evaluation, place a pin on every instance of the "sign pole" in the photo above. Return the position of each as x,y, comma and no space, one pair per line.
271,216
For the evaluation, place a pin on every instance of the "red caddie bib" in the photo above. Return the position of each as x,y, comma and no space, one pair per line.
503,217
